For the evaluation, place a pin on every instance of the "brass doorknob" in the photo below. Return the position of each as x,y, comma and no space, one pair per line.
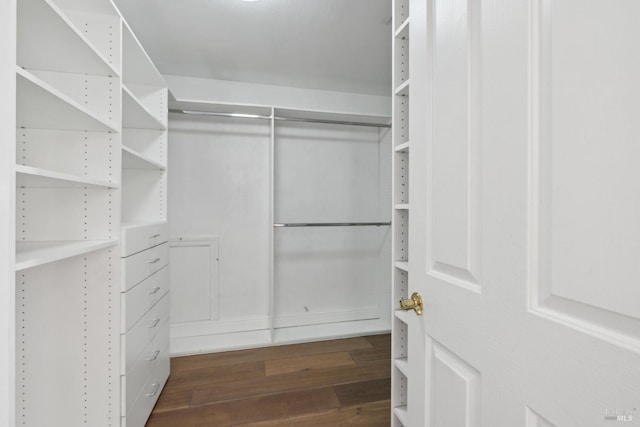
415,303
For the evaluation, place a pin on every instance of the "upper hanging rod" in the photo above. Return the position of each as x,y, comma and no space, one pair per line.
331,224
286,119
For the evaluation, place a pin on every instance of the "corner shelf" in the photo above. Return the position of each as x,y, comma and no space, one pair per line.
137,66
32,254
41,106
28,176
402,148
403,30
403,89
48,39
401,315
131,159
403,365
402,265
137,116
402,414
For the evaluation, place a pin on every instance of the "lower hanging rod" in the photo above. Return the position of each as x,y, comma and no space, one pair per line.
332,224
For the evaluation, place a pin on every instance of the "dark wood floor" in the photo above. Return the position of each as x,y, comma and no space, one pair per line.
330,383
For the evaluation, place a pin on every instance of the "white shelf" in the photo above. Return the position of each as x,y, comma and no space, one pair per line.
332,116
131,159
136,115
403,365
402,148
402,265
403,89
32,254
48,40
402,207
41,106
137,67
246,110
134,224
35,177
402,414
403,30
402,315
239,110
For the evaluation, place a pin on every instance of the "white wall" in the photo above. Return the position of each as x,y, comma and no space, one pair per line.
7,210
329,173
219,191
219,185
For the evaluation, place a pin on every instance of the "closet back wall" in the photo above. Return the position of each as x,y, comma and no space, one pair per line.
219,189
219,197
331,173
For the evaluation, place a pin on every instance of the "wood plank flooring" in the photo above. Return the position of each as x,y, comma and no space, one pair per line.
329,383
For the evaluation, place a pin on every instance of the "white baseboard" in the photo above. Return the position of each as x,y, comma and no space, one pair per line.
188,345
366,313
214,327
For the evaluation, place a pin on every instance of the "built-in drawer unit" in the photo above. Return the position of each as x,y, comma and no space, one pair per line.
143,368
142,297
138,413
144,331
137,267
136,238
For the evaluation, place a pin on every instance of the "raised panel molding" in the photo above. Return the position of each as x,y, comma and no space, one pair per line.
454,188
194,280
455,395
583,192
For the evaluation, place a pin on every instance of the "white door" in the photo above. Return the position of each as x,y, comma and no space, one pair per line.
525,213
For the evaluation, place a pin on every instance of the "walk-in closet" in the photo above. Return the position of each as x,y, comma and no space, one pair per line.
285,213
161,212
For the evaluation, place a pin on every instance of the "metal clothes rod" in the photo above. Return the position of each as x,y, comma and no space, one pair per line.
285,119
331,224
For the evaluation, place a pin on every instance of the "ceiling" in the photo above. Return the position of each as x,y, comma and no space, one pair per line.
339,45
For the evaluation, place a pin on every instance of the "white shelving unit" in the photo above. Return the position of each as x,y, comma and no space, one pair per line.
67,220
145,284
83,86
401,210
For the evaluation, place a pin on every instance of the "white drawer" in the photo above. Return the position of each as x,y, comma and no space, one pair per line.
142,333
140,298
142,370
138,267
138,237
139,412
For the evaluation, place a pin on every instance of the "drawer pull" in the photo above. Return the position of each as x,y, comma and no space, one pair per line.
153,356
153,290
153,323
154,261
154,390
153,236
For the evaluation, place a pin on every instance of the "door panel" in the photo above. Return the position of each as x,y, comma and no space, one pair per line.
457,401
454,192
586,100
524,190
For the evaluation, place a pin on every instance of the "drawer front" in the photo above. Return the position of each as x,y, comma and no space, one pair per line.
155,321
139,412
136,239
138,267
142,297
156,352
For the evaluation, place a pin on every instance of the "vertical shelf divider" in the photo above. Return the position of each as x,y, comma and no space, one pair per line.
400,211
272,299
